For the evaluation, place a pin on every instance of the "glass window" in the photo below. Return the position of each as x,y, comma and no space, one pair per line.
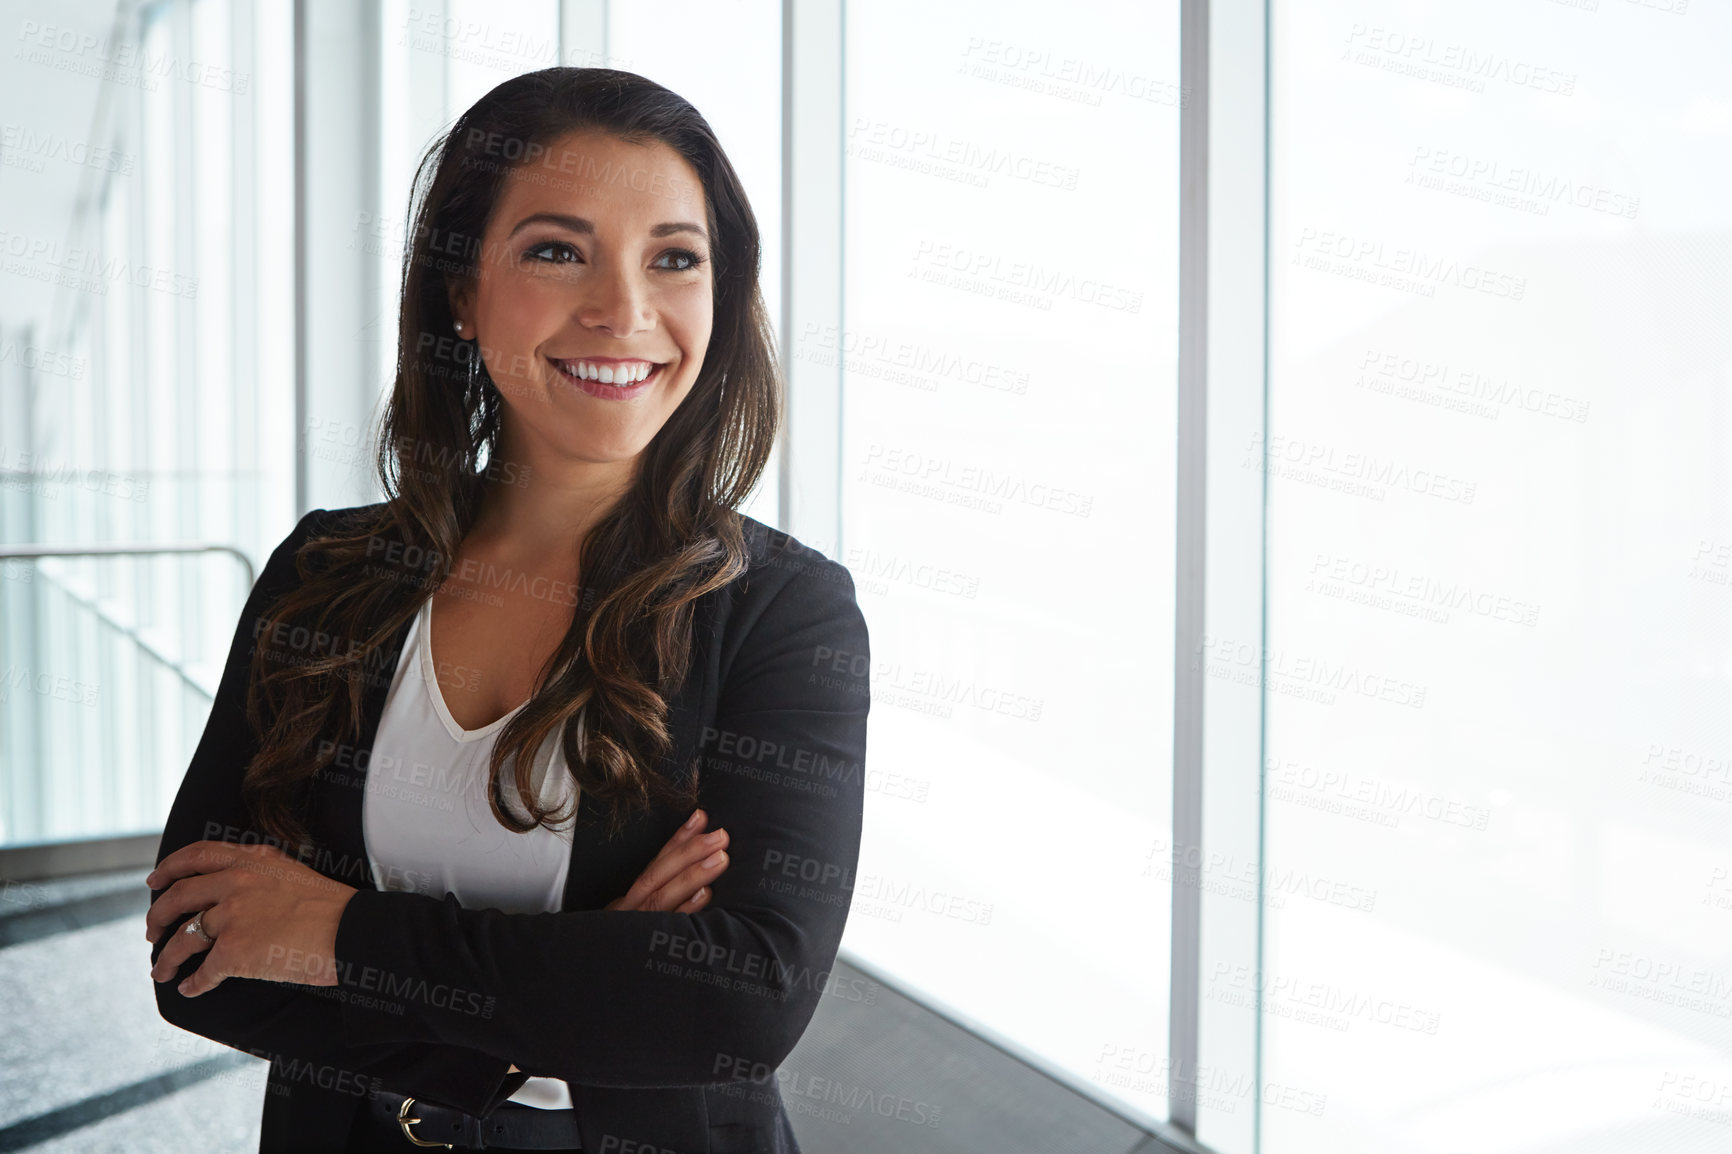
1008,349
146,352
1500,579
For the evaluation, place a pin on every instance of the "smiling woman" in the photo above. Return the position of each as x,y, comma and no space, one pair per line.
614,305
442,852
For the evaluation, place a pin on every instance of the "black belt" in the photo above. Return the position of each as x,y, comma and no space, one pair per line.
511,1125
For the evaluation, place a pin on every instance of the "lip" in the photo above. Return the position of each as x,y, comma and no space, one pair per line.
608,392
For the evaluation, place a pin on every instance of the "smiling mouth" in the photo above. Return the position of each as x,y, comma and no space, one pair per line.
625,375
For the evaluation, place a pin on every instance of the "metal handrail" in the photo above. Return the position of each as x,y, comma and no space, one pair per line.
33,552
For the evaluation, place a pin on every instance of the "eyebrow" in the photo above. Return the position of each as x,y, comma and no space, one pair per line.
584,225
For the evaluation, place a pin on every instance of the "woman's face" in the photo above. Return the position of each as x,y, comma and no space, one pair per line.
595,267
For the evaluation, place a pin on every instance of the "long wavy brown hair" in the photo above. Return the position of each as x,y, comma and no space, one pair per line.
672,537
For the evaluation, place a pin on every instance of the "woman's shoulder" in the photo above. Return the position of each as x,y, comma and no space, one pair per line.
777,560
792,612
326,522
345,521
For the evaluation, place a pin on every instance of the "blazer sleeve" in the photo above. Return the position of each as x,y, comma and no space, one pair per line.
642,998
281,1021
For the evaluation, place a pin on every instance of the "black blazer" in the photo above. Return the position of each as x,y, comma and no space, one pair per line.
668,1026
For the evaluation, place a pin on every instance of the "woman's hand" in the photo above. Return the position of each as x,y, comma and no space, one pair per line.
269,916
678,879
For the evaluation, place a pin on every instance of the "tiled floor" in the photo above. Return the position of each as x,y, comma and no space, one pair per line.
86,1063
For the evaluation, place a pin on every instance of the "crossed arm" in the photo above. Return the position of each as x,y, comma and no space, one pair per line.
447,1001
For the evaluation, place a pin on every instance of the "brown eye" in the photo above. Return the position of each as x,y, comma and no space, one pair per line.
562,253
692,259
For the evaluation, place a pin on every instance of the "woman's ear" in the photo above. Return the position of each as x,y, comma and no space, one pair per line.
460,294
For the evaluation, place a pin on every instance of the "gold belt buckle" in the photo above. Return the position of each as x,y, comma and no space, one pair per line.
405,1122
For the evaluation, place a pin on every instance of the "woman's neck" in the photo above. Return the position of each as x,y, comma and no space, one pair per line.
541,515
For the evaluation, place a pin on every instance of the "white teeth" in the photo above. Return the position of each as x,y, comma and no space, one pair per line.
608,374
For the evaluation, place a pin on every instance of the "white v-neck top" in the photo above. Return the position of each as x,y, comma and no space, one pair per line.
427,823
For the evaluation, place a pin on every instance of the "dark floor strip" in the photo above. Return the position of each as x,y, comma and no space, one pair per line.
949,1090
86,1111
1153,1145
16,929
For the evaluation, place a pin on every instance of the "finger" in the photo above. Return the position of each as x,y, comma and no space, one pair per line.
693,828
669,864
688,882
662,866
208,976
200,857
198,892
664,872
696,902
182,946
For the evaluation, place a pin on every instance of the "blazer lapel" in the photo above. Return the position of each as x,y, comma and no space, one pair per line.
601,869
335,820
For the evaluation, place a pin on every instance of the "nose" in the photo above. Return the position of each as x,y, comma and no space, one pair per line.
615,299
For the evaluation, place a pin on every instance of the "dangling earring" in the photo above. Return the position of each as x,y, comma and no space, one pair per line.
458,325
